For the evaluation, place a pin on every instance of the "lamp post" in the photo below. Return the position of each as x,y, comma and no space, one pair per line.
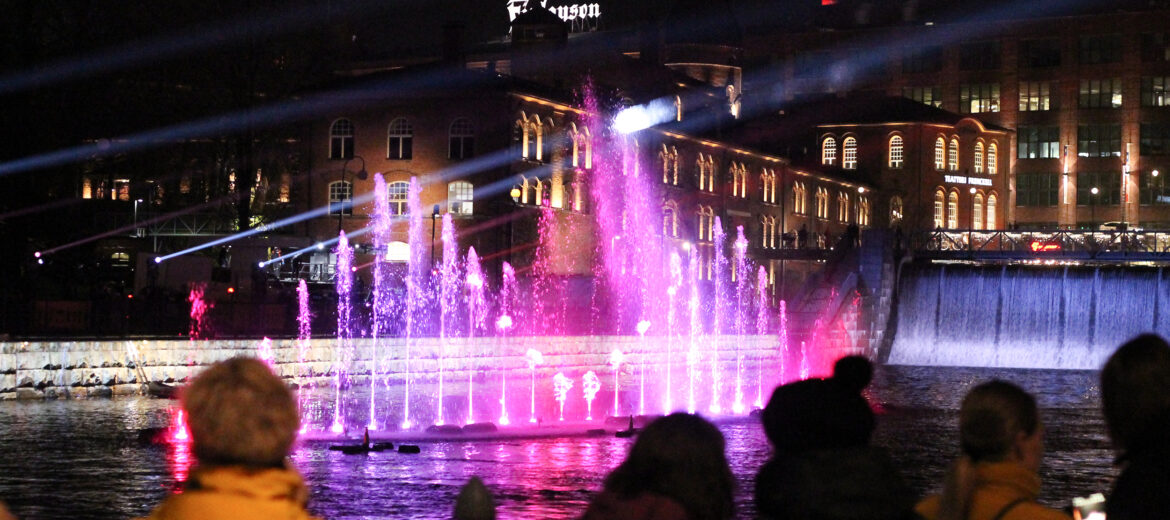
136,203
360,174
1093,207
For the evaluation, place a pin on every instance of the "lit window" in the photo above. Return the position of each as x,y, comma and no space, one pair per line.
341,139
992,159
669,160
400,140
462,139
582,147
829,151
738,180
706,224
822,203
122,189
1155,91
340,198
977,212
862,211
979,98
843,207
953,210
706,177
939,201
1100,93
953,156
768,232
991,217
1035,96
768,186
849,153
940,154
896,209
926,95
897,148
799,199
669,221
284,196
397,194
978,157
86,188
460,195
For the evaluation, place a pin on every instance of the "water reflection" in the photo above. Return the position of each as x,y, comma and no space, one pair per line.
87,455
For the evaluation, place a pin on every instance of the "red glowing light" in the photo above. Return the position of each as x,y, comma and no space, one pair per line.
1038,246
231,290
130,296
828,2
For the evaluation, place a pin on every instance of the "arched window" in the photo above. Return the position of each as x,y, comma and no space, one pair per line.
768,186
992,158
669,160
460,195
953,210
992,222
341,139
706,177
939,205
842,206
397,193
977,212
862,211
526,134
678,108
669,221
400,139
799,199
539,195
738,180
896,210
706,224
829,151
461,139
978,157
822,203
340,198
953,156
768,232
940,154
897,148
849,153
548,140
582,147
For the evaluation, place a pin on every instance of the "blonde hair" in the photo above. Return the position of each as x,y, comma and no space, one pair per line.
991,417
240,414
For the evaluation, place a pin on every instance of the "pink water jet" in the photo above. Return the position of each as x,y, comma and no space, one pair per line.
561,387
590,385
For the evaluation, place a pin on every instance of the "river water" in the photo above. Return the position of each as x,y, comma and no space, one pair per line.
65,459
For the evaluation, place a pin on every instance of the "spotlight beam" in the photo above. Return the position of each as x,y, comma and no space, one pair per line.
143,223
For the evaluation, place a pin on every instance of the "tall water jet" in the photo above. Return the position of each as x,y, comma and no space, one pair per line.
615,360
590,385
671,292
721,298
476,311
742,285
534,358
198,312
761,328
417,271
344,283
304,335
643,326
561,386
696,330
382,306
502,325
783,341
448,302
803,361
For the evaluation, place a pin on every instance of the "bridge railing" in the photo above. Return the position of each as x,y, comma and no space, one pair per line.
1134,244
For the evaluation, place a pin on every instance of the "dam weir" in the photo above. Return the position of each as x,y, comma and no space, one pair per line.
1025,316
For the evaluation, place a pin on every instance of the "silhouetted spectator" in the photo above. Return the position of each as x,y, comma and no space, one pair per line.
676,470
1001,441
475,502
1135,396
822,466
802,237
243,421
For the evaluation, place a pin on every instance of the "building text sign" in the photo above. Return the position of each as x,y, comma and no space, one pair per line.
959,179
581,17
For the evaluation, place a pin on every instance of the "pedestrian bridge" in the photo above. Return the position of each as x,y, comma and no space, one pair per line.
1107,247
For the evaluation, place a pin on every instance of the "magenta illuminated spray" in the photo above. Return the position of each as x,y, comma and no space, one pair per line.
476,312
561,387
344,284
590,385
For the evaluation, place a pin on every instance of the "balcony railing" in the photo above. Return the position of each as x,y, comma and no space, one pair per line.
1027,245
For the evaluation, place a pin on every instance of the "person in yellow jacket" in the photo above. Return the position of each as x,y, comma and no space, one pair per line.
243,421
1002,442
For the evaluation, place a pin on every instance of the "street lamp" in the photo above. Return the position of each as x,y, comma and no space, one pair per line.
137,233
1093,207
360,174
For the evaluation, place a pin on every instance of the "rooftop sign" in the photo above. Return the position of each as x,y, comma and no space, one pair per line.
581,17
959,179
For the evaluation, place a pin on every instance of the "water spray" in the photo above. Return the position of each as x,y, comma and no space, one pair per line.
590,384
643,326
534,358
561,386
615,360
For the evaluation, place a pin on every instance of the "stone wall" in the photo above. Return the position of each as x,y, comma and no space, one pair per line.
72,369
